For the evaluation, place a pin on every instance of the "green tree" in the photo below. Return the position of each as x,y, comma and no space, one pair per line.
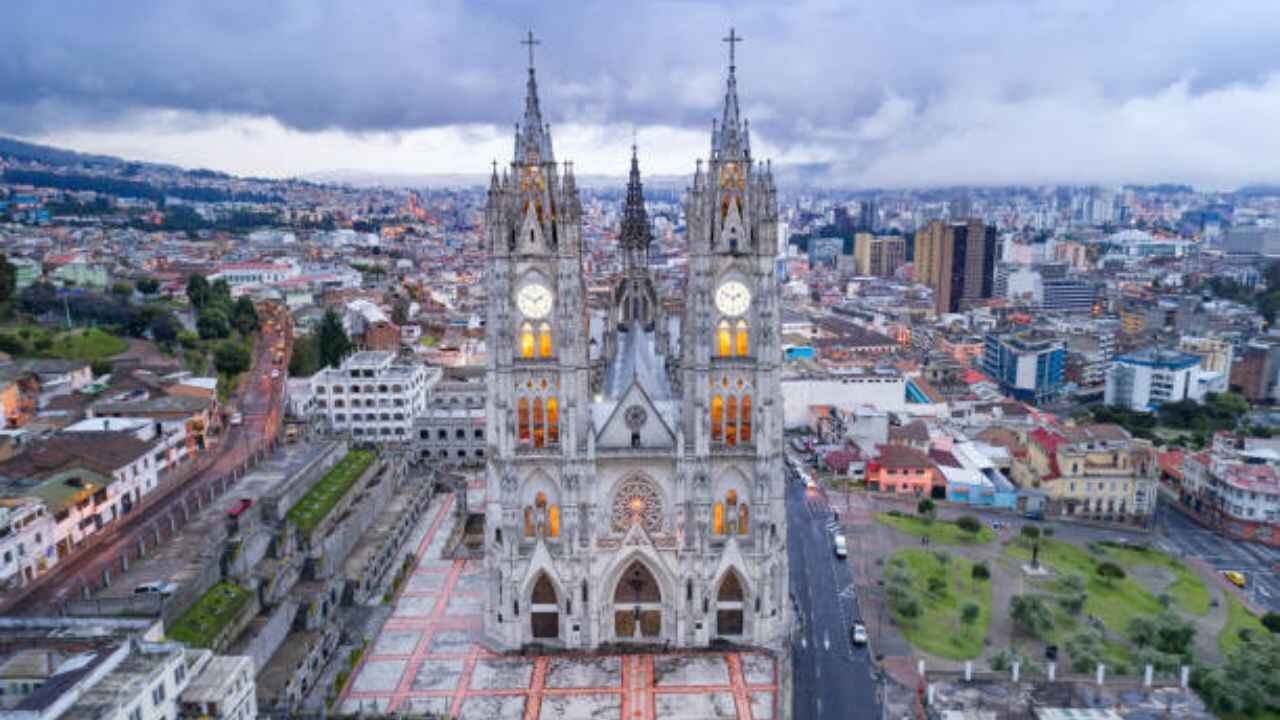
980,571
8,279
926,509
1031,614
332,342
244,316
198,291
305,360
1031,532
1271,621
148,285
969,614
400,311
122,291
231,358
969,524
213,324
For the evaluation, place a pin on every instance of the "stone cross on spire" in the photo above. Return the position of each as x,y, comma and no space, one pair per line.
733,39
530,40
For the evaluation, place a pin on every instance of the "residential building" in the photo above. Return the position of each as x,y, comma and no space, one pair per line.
373,396
255,273
1216,354
1255,372
879,255
1235,488
904,470
451,430
222,688
1028,365
971,477
26,541
957,260
1146,379
1093,472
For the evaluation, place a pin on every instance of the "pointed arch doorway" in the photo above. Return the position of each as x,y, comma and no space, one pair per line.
637,604
730,607
544,609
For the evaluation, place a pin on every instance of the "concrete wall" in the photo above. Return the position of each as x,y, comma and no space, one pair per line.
364,505
271,635
278,503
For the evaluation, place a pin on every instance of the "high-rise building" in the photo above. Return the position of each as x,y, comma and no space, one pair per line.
879,255
635,495
957,260
1028,365
868,216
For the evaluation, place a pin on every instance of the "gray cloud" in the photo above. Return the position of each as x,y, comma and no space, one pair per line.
861,86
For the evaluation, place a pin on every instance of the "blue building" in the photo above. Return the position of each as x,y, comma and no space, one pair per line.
1028,365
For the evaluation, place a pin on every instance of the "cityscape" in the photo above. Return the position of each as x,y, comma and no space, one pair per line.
530,382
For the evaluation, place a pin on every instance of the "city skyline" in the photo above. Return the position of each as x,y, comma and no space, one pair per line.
918,96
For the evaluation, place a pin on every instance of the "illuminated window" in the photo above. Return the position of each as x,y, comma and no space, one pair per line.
744,423
731,498
544,340
717,519
717,418
540,501
538,427
724,340
522,419
742,520
553,521
528,522
553,421
731,422
743,339
526,341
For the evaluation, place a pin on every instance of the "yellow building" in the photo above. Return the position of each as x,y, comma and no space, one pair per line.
1093,472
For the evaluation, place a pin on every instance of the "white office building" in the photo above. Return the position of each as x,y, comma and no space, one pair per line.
374,396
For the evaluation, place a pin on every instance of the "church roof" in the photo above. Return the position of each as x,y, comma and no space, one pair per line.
637,361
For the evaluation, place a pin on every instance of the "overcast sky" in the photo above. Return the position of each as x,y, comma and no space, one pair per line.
880,93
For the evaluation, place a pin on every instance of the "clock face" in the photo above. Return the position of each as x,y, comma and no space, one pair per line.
733,298
534,301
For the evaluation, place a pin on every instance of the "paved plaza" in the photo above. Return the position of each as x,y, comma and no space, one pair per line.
427,660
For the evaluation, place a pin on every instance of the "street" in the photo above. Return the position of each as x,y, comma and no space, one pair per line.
1181,536
260,403
832,678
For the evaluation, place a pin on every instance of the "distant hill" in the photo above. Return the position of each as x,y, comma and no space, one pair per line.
53,156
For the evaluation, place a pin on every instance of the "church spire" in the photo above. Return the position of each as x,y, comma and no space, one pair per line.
635,235
533,138
729,139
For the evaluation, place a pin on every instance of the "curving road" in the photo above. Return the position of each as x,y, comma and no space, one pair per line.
833,679
260,401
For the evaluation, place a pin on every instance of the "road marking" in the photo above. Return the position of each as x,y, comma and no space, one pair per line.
826,640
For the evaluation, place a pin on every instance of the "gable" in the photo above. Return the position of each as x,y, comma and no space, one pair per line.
635,412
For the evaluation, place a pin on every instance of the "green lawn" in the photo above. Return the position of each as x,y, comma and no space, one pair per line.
321,498
87,344
1188,591
939,630
199,626
939,531
1238,618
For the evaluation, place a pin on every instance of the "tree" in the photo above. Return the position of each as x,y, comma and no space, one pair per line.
980,571
926,509
1271,621
212,324
1031,532
231,358
332,344
244,316
122,291
969,524
165,328
8,278
305,361
937,585
198,291
969,614
400,311
1031,615
1110,572
148,285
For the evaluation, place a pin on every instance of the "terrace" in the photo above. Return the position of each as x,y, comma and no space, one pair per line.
312,508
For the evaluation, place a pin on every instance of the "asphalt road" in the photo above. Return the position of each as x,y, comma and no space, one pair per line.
260,402
1181,536
832,678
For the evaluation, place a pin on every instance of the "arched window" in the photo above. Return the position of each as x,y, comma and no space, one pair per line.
724,340
540,501
729,606
528,522
544,340
538,427
743,339
553,421
526,340
743,519
731,422
553,521
522,419
717,418
717,519
744,422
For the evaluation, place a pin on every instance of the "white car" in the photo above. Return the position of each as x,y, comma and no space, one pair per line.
159,587
237,418
858,634
842,546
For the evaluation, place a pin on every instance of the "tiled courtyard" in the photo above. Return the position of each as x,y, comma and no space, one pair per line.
427,660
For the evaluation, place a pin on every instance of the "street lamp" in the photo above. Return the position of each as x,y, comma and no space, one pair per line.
637,583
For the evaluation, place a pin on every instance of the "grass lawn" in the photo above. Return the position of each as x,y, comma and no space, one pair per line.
86,344
938,630
938,531
200,625
1238,618
320,499
1188,591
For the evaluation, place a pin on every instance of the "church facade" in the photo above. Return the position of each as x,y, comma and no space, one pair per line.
634,487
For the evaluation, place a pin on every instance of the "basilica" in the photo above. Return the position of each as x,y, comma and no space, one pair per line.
634,485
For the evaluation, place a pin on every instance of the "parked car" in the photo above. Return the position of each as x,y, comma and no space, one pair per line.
842,546
1235,578
858,634
995,524
158,587
237,418
274,373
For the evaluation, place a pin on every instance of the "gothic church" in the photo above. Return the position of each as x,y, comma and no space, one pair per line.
634,489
